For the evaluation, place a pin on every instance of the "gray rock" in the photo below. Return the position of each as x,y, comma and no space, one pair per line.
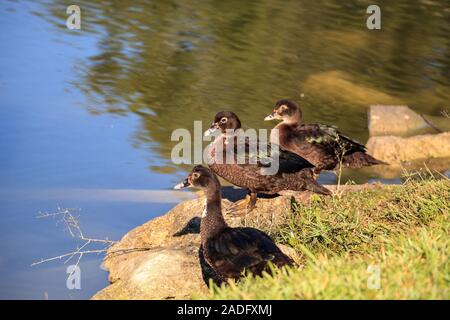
395,150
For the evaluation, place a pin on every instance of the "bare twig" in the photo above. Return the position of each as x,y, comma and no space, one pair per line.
66,255
431,124
340,153
70,220
72,224
445,113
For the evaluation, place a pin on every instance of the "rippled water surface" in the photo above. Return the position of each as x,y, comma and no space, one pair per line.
86,115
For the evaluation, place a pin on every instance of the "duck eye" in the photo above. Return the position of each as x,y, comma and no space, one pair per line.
196,175
283,107
224,120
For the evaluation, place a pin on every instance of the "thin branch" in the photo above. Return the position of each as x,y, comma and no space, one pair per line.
73,226
66,255
431,124
77,252
340,153
445,113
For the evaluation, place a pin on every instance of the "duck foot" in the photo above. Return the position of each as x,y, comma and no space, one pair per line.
242,207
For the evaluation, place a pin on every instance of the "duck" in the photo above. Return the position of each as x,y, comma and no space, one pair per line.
231,252
324,146
293,173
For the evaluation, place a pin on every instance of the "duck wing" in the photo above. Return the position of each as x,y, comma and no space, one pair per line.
236,250
322,145
354,153
252,167
341,139
289,162
263,156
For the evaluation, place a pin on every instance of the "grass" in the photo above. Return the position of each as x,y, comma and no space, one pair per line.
342,242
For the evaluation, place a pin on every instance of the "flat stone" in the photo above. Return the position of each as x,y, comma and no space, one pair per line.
395,120
395,150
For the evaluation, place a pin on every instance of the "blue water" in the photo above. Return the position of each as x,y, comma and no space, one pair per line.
55,153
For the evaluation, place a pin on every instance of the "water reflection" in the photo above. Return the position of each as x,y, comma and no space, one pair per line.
173,62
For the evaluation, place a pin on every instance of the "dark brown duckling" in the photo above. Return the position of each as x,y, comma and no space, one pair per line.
231,252
293,173
321,145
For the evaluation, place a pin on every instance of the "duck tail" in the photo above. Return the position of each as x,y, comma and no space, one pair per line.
282,260
360,159
312,185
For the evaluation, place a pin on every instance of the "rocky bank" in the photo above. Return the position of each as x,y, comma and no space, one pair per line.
159,259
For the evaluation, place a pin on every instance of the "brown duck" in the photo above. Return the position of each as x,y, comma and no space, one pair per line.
294,172
231,252
323,146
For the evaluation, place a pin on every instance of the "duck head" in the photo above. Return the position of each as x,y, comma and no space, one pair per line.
199,177
223,121
286,110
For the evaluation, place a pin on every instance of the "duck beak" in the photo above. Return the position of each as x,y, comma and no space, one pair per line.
211,130
184,184
270,117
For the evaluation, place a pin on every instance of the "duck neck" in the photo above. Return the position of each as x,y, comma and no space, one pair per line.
212,218
283,127
293,120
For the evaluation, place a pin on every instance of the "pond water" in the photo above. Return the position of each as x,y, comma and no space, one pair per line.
86,115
